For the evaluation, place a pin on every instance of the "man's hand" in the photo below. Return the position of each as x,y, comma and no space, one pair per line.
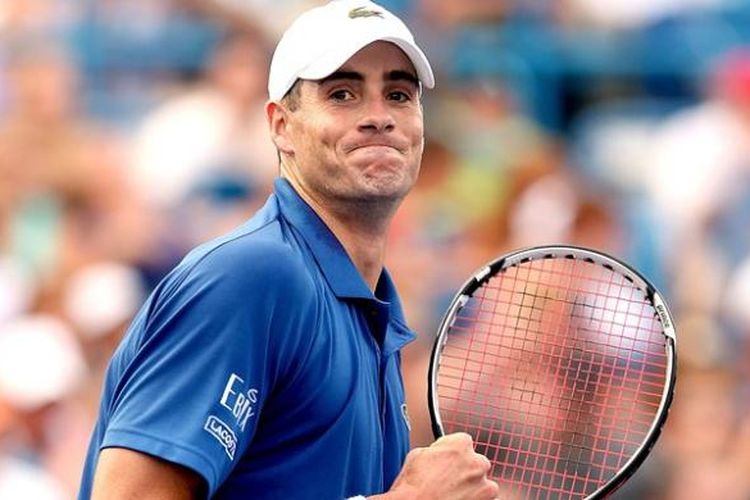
448,469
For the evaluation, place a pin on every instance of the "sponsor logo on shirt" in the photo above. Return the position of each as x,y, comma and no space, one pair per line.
223,433
241,402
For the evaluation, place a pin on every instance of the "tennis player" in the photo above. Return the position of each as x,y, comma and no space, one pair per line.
266,364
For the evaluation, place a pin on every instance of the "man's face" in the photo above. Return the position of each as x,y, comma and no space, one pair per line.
357,135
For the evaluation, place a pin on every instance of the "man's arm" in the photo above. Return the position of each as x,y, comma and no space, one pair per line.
128,474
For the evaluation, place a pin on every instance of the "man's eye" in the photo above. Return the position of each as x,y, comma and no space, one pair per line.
341,95
399,96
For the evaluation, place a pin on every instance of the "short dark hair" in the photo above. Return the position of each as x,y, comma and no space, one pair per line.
292,98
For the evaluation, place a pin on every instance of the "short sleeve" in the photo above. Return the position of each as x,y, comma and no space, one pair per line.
212,342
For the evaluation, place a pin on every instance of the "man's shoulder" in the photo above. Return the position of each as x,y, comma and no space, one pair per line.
253,255
244,277
244,245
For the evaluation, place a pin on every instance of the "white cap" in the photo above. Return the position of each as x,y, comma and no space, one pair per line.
322,39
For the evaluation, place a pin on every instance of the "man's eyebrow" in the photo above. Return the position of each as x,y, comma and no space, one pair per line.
399,74
342,75
391,76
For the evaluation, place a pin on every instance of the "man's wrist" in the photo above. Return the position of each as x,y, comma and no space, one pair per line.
397,494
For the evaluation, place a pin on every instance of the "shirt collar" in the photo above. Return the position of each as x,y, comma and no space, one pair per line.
338,269
401,334
335,264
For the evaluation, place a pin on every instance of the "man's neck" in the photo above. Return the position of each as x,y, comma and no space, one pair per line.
361,229
363,235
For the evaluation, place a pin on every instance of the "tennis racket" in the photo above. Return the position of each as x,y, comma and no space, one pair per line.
560,362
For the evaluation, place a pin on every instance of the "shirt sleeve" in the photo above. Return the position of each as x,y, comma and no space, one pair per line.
211,344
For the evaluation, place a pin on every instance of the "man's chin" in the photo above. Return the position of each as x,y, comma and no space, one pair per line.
379,192
388,186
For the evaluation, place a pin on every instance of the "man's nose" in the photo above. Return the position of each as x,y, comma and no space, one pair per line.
377,117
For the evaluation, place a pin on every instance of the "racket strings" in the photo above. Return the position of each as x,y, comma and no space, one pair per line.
557,367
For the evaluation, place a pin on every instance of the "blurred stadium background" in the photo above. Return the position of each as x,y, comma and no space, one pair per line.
130,130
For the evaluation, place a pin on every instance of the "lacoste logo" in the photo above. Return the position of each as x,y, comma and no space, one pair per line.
364,12
223,433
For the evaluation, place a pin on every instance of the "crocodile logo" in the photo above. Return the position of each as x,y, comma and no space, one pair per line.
364,12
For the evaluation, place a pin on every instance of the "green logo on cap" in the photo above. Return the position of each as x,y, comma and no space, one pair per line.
363,12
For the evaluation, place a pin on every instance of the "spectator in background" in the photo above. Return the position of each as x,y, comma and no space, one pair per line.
64,205
699,178
41,421
629,15
707,439
215,125
448,13
699,154
209,133
270,16
552,206
64,197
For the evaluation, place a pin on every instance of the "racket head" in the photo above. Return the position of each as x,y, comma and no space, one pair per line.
569,414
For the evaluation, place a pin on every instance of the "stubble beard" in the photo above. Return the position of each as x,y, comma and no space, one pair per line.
371,197
385,189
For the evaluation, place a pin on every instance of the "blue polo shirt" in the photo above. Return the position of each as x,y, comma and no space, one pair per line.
264,363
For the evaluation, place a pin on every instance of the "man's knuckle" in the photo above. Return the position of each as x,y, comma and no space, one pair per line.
464,437
490,490
482,463
453,453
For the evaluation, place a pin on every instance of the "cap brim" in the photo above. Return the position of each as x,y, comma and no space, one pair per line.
330,62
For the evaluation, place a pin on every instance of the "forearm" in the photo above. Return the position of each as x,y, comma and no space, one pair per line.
127,474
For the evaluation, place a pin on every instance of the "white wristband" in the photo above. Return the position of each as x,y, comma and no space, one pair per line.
358,497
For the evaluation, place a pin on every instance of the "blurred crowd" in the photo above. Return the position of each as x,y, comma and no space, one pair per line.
131,130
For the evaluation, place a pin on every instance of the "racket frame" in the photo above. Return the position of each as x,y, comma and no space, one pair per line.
578,253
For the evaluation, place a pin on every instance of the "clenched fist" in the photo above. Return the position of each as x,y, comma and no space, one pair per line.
447,470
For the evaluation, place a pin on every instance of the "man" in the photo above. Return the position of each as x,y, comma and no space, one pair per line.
266,365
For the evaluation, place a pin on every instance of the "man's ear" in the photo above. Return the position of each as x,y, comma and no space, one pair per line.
278,122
